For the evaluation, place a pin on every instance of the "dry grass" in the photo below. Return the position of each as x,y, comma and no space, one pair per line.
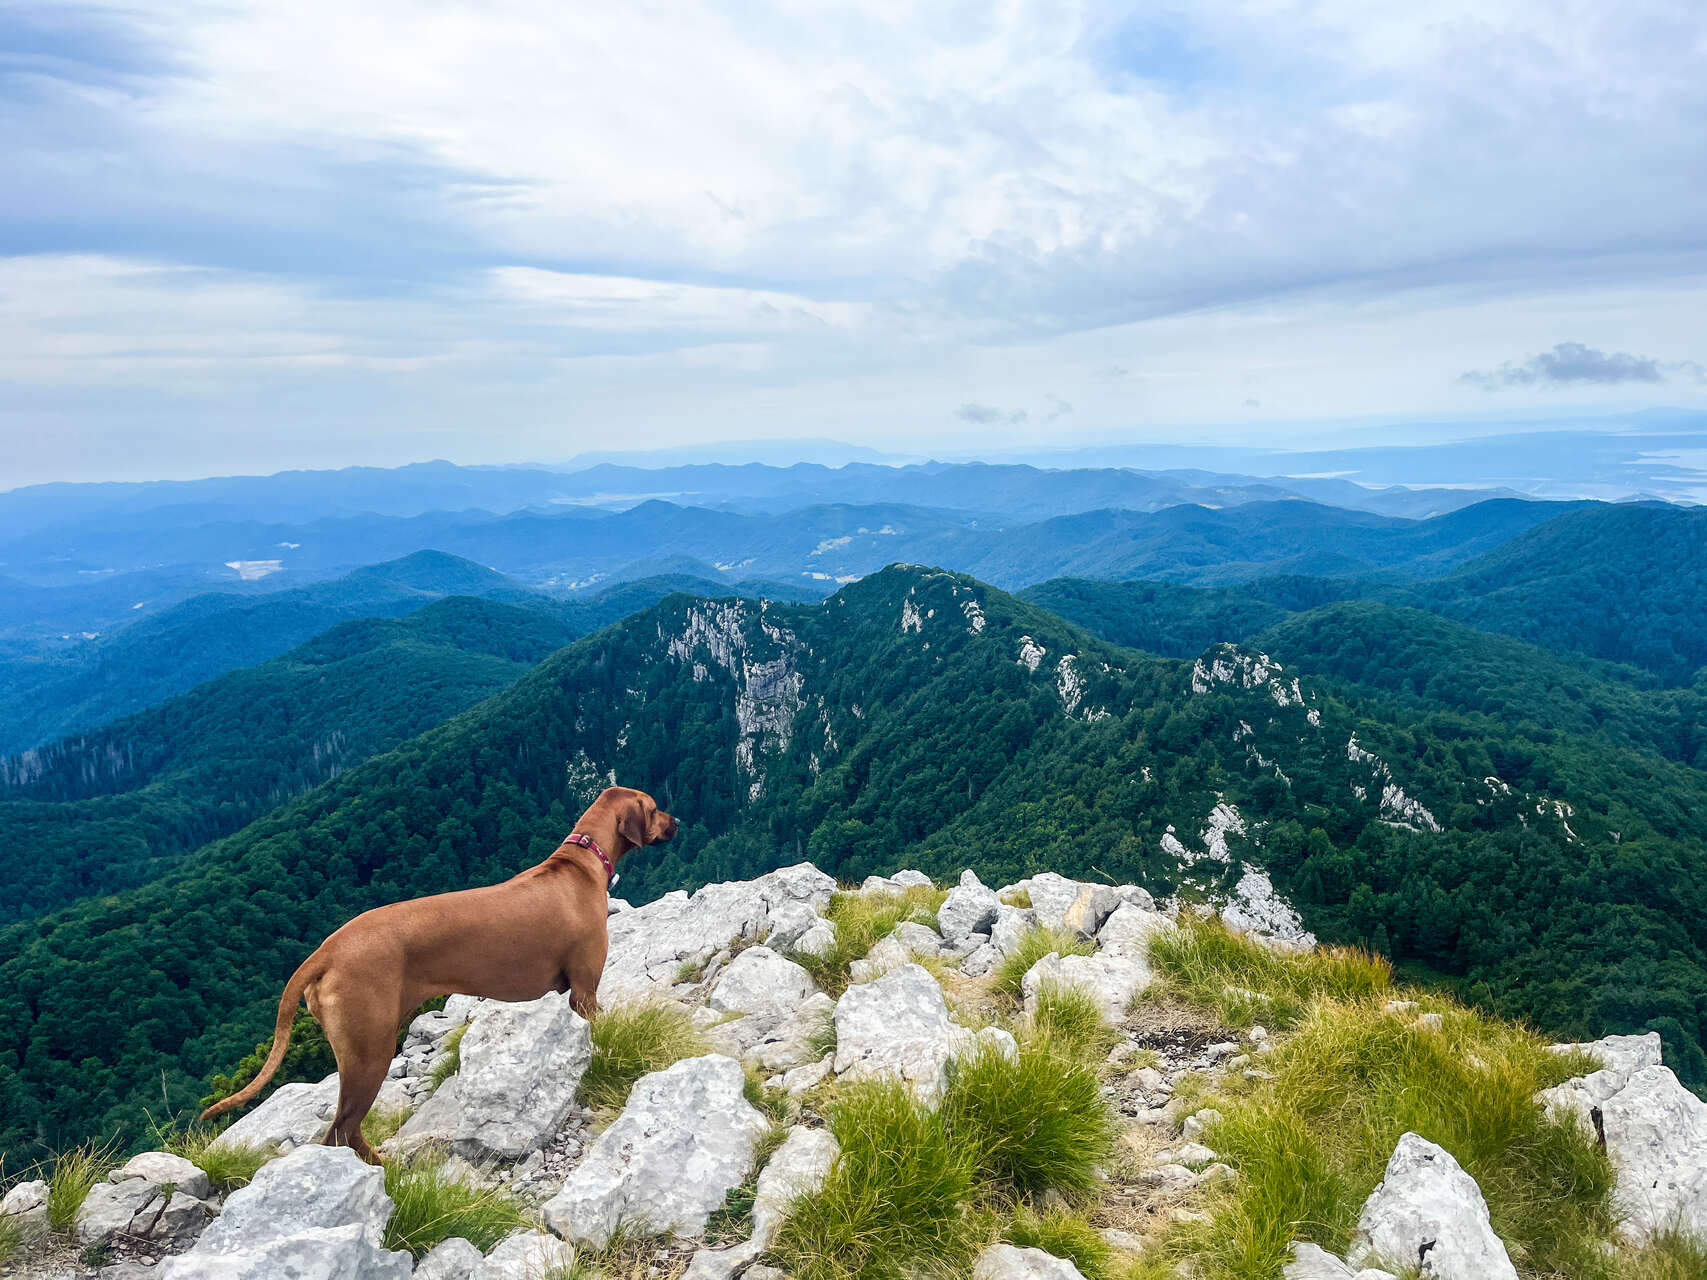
630,1041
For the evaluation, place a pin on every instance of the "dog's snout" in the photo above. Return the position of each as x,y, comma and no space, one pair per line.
669,827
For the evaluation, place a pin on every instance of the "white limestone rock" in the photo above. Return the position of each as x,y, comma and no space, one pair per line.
1128,930
453,1259
686,1136
801,1080
1579,1098
759,981
982,962
798,1168
521,1065
788,923
819,940
296,1115
526,1255
1007,1262
1312,1262
650,944
778,1041
1429,1214
1656,1138
1257,908
312,1187
898,1025
25,1208
316,1253
116,1209
1012,924
969,908
1113,980
1060,903
162,1168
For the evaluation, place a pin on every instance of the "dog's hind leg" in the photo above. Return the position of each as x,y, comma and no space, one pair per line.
362,1038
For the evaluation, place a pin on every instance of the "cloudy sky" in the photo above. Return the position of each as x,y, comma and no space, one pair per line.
244,236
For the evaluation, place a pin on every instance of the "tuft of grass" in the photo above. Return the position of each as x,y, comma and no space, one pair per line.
772,1104
381,1122
630,1041
898,1204
11,1242
1016,898
1311,1144
433,1206
1064,1234
1035,1122
822,1041
1247,983
1071,1020
733,1223
1673,1256
863,920
450,1060
227,1167
74,1173
1033,946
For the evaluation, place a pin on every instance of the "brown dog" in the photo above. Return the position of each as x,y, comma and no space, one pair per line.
540,931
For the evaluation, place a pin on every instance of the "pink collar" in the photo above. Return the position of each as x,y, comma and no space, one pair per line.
587,842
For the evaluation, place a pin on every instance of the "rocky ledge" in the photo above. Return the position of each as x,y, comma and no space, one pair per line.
509,1116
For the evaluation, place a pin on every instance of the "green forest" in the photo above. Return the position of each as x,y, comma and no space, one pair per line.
897,725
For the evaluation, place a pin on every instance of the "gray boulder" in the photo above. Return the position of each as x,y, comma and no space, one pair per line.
899,1026
318,1213
527,1255
1112,979
759,981
1007,1262
777,1041
1060,903
1012,924
162,1168
788,923
685,1138
1428,1209
24,1207
521,1065
317,1253
453,1259
969,908
1312,1262
295,1115
1128,930
650,945
798,1168
819,940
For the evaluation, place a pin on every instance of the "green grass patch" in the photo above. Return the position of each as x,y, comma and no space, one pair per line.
733,1223
11,1239
1036,1122
1036,943
1313,1142
381,1122
1246,983
899,1203
228,1167
1672,1256
1064,1234
450,1057
433,1206
863,920
73,1174
1071,1020
630,1041
772,1104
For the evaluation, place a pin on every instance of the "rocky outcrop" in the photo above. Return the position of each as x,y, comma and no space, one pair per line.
685,1138
520,1067
295,1115
24,1209
969,908
899,1026
1312,1262
316,1214
651,945
155,1197
1429,1214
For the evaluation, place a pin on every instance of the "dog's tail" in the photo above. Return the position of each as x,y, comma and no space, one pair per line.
288,1002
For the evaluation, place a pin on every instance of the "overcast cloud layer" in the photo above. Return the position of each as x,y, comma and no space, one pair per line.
239,237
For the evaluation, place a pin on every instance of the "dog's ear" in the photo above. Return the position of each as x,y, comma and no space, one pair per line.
631,824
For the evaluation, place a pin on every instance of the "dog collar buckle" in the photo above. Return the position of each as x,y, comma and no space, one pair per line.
587,842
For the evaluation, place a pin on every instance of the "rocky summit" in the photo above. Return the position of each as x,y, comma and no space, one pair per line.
701,1158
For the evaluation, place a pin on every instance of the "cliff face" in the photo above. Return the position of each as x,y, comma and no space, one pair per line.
705,1123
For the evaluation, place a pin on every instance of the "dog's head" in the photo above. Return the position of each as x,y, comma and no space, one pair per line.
639,820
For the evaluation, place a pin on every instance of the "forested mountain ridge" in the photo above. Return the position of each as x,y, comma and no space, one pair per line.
1626,584
916,717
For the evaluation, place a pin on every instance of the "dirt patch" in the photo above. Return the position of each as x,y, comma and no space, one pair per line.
1173,1028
